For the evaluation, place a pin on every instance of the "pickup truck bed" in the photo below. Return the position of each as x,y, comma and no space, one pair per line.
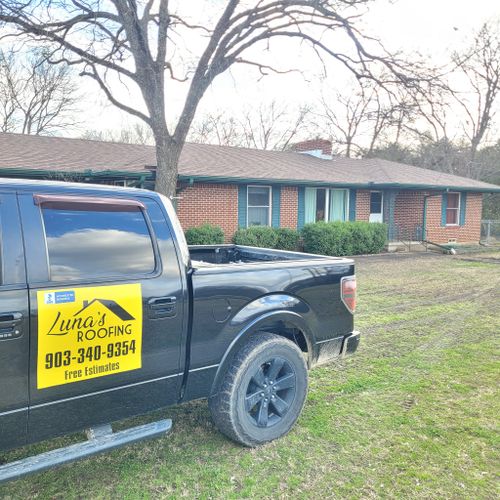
203,255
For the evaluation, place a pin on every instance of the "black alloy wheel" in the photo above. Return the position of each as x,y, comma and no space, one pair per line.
270,392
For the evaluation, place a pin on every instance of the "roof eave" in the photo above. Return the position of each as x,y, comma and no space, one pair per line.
369,185
30,173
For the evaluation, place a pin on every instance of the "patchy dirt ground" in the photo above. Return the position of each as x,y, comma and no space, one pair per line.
414,414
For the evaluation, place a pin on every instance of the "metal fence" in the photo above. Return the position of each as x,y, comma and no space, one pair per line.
490,231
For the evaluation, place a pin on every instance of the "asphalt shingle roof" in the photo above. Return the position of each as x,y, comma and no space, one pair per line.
59,154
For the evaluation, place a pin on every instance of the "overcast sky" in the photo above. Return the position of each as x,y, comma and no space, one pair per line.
431,27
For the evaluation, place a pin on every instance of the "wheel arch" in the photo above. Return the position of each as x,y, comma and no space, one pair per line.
287,324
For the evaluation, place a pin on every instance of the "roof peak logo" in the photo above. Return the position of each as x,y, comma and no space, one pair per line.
87,317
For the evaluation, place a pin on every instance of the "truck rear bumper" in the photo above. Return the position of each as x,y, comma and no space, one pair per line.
350,344
335,348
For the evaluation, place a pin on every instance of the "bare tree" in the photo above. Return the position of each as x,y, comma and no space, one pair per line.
142,43
271,126
216,128
135,134
481,67
344,117
35,96
274,126
357,121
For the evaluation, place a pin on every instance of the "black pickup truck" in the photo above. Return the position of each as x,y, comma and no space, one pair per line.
106,313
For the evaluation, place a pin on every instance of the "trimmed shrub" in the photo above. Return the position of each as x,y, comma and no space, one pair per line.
288,239
280,238
344,238
206,234
379,237
256,236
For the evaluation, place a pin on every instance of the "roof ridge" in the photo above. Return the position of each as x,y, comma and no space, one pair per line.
80,139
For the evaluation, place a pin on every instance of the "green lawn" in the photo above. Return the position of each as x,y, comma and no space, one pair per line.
414,414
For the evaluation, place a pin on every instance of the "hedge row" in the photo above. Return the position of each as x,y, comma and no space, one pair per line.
344,238
280,238
326,238
206,234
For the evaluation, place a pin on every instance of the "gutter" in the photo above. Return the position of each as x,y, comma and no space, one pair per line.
30,173
446,250
369,185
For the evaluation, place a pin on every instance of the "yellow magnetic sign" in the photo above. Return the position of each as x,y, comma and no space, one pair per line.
85,333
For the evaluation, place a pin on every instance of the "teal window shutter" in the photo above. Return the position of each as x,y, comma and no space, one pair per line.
463,207
352,204
301,208
444,206
275,216
242,205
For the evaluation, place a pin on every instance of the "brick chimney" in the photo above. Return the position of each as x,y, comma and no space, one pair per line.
321,148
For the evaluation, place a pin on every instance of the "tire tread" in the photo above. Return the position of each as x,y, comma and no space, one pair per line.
221,403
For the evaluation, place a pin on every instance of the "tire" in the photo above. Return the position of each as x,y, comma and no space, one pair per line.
251,407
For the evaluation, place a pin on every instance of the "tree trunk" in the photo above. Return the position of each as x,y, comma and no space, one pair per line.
167,159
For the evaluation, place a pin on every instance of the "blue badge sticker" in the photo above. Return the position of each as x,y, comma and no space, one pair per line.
64,297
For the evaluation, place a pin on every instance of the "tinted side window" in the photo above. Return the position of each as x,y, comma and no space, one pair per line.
92,243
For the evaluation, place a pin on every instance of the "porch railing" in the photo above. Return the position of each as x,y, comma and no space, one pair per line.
403,234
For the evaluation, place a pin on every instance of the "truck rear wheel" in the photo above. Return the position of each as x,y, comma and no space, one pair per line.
263,392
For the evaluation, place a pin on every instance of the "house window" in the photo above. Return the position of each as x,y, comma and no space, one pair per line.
97,243
326,204
376,206
453,209
375,202
258,206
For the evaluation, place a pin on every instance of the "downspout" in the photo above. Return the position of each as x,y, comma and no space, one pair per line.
424,220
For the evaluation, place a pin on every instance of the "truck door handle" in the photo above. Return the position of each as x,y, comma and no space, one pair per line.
8,325
162,307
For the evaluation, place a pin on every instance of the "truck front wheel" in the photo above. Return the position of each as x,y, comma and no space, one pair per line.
263,391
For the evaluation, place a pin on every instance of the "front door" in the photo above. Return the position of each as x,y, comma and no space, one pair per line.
107,305
14,328
376,206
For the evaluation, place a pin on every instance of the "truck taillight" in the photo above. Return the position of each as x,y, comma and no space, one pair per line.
348,292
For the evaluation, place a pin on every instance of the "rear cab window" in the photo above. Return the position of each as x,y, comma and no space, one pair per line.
96,239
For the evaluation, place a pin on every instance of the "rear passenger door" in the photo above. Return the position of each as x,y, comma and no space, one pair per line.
107,310
14,328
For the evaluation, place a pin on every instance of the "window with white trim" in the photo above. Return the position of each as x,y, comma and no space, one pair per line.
258,206
326,205
453,209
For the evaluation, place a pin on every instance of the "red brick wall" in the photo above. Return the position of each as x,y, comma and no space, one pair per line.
362,205
218,204
409,213
470,232
213,203
289,207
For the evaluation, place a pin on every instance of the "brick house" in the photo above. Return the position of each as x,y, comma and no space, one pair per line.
238,187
